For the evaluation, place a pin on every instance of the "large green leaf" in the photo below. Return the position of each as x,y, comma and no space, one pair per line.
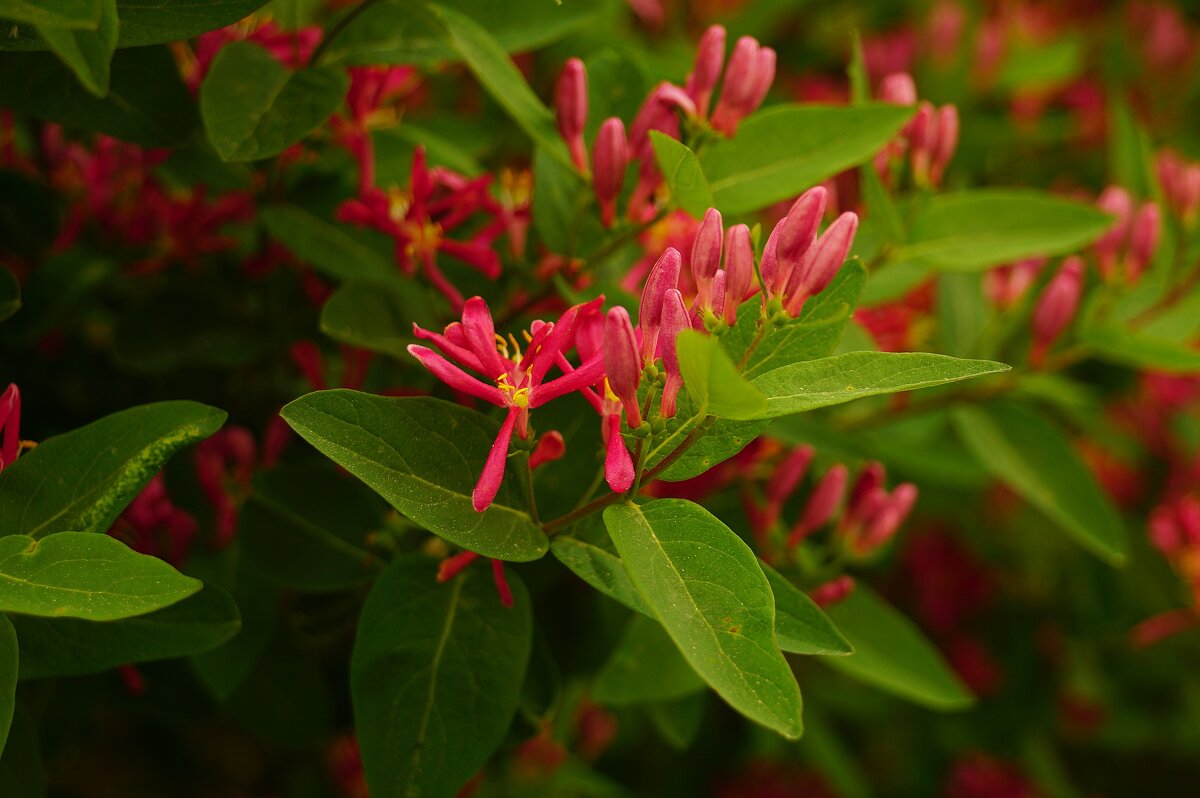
645,666
68,647
1139,349
682,173
974,230
780,152
601,569
424,456
83,479
82,575
834,380
560,196
76,14
307,528
891,653
706,587
800,625
435,676
157,21
713,380
1034,458
496,72
379,315
147,103
87,52
254,108
8,677
329,248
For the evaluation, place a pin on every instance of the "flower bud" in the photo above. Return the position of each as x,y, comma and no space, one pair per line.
833,591
885,523
674,321
663,276
869,480
621,362
922,138
706,254
764,77
822,504
1056,306
769,267
786,478
10,421
947,142
571,106
898,89
739,269
618,464
1143,240
710,57
821,262
741,83
550,447
1116,201
610,154
797,231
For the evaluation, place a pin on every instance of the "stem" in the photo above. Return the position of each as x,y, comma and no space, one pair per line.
762,331
337,30
592,488
533,510
681,449
551,527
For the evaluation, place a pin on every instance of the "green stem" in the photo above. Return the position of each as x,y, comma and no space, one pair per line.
337,30
533,510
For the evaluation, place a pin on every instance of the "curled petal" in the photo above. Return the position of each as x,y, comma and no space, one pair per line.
455,377
493,469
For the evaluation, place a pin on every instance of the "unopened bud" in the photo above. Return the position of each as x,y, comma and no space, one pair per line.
832,592
706,254
741,83
821,262
947,142
550,447
618,465
739,269
621,361
610,154
710,57
674,321
898,89
663,277
1056,306
797,231
571,105
822,504
1143,240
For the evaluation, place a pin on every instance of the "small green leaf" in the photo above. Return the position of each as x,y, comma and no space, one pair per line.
601,569
496,72
707,589
69,647
254,108
682,173
83,575
327,247
8,677
713,381
799,623
1138,349
10,294
890,652
435,676
1130,151
645,666
87,52
424,456
1033,457
780,152
83,479
379,315
76,14
975,230
834,380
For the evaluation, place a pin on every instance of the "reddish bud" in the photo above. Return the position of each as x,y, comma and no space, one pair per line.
674,321
663,277
1143,240
571,105
946,144
610,154
880,529
453,566
797,231
821,262
618,465
550,447
739,269
706,254
832,592
869,480
1116,201
822,504
10,421
741,83
898,89
764,77
1056,306
621,362
769,266
710,57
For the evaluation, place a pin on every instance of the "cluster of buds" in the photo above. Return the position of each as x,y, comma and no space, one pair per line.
929,138
10,423
419,218
1180,181
610,151
153,525
1005,286
1056,307
797,263
1127,249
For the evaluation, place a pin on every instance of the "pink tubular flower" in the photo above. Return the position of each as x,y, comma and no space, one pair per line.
1180,180
516,381
898,89
225,468
822,504
153,525
571,107
1108,247
1144,234
663,276
821,263
610,155
706,255
550,447
10,422
621,362
1056,307
710,58
674,321
454,565
748,77
740,284
1007,285
793,237
784,482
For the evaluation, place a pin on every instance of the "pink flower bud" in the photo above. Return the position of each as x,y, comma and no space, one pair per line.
769,266
621,362
764,77
493,468
655,114
947,142
571,105
706,254
663,276
898,89
797,231
922,138
10,421
717,301
452,566
1056,306
869,479
618,465
1143,240
822,504
784,481
821,262
610,154
710,57
550,447
674,321
741,83
885,523
1116,201
833,591
739,269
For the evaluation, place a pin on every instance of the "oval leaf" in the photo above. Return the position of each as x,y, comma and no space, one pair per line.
82,575
713,380
706,588
834,380
435,676
8,677
800,625
423,455
683,175
645,666
83,479
87,52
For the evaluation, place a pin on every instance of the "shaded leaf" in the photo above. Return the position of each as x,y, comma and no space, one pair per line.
329,248
87,52
601,569
645,666
713,381
682,173
800,625
379,315
8,677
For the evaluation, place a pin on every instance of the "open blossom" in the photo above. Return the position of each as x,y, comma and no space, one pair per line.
293,49
509,377
420,218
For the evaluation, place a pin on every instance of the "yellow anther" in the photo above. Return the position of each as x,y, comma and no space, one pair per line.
608,392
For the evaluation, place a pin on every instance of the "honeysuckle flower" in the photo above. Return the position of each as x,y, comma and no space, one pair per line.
550,447
1056,307
930,137
420,218
706,255
748,78
10,423
511,378
822,504
370,103
664,276
1108,247
674,321
571,110
153,525
784,481
1006,285
610,155
290,48
225,466
833,591
710,59
1180,181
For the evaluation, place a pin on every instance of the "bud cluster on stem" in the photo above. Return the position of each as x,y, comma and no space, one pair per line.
1128,247
930,137
798,263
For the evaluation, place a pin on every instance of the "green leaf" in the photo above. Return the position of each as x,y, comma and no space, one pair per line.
77,14
424,456
786,149
679,721
962,312
147,103
601,569
87,52
435,676
254,108
707,589
890,652
560,194
10,294
68,647
403,32
320,519
800,625
834,380
327,247
1130,150
975,230
682,173
146,22
8,677
645,666
1033,457
83,479
83,575
713,380
379,315
224,669
1138,349
1042,67
496,72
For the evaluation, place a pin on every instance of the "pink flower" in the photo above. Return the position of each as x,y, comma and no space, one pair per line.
511,379
571,108
822,504
1056,307
10,422
153,525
